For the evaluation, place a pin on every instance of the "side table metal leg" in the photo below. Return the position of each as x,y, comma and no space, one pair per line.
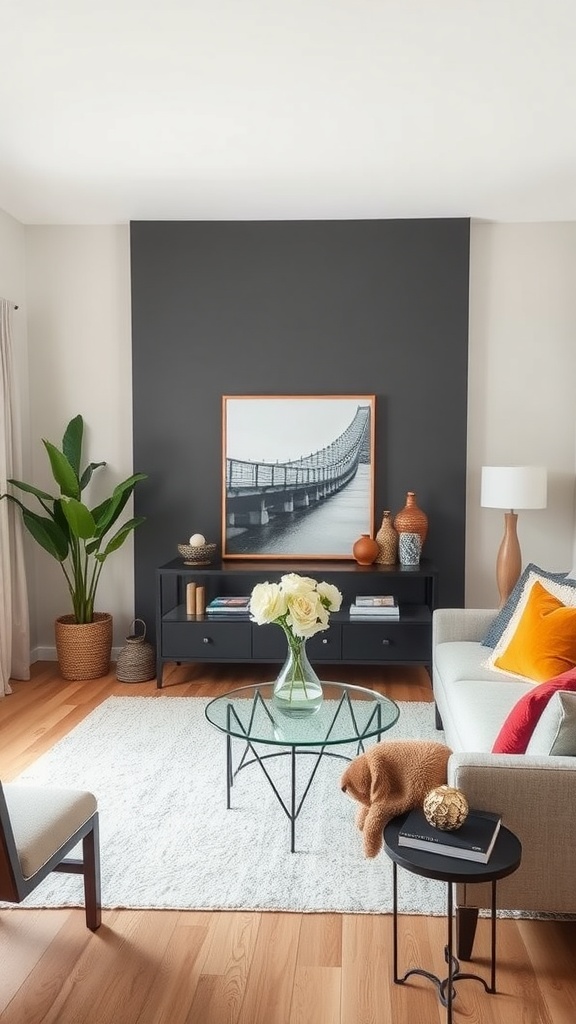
493,927
395,919
449,957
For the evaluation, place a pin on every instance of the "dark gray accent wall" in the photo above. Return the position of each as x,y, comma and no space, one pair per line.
289,308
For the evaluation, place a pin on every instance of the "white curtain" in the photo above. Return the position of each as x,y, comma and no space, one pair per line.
14,618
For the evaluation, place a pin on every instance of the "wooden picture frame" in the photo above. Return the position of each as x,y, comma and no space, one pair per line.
297,475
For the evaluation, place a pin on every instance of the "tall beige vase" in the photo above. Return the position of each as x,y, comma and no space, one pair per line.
387,540
411,518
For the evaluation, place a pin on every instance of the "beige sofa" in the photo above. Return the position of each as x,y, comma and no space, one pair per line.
536,795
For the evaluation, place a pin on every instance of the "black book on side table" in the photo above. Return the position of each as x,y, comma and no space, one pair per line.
504,860
474,840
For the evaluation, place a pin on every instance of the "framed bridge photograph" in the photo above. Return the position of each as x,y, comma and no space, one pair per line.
297,475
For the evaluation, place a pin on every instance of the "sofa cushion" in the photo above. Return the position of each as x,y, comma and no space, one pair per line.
472,712
542,642
517,729
555,731
463,659
499,624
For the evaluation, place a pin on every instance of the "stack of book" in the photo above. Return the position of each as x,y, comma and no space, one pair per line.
375,606
474,840
237,606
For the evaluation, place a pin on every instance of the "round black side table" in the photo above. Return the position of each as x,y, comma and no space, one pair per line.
504,860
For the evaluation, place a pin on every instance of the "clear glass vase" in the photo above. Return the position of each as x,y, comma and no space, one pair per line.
297,690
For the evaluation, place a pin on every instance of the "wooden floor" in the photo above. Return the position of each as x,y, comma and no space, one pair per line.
173,967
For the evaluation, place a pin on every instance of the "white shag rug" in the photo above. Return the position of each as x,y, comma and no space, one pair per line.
157,768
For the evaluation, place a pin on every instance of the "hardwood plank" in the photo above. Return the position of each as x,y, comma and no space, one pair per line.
268,994
320,941
41,999
177,975
316,996
24,939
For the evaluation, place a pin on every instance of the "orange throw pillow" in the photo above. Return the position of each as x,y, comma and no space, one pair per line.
544,642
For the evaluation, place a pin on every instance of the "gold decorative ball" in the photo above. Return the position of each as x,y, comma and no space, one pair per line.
446,808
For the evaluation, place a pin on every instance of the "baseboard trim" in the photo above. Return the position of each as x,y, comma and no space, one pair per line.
49,654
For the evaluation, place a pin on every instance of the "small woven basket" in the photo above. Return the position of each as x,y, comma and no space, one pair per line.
136,661
200,554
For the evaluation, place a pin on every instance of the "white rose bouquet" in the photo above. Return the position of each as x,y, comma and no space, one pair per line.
301,606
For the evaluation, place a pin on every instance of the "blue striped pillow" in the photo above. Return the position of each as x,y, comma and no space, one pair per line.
498,625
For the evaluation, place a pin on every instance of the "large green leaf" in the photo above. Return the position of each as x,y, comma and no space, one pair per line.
107,513
63,473
60,518
41,495
70,531
47,533
87,474
79,518
72,443
118,539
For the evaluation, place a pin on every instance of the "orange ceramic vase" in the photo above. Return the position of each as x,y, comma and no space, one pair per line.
412,519
365,550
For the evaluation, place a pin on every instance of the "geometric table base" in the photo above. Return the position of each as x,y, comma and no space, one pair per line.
446,991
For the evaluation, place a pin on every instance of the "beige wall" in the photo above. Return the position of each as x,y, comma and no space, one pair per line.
522,374
80,362
13,287
73,284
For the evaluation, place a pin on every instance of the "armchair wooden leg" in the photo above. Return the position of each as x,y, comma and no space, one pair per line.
92,898
466,921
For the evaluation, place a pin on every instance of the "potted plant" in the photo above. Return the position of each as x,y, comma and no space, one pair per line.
78,537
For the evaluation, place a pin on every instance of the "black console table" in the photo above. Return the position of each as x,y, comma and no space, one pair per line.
188,638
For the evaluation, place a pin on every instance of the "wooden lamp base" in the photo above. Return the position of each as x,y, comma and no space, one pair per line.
509,560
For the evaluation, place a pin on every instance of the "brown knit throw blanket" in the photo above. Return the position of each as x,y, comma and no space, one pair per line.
390,778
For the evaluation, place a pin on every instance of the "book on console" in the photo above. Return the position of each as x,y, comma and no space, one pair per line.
221,613
376,601
474,840
369,612
221,606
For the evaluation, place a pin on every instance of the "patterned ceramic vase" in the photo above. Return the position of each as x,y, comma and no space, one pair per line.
409,546
387,540
412,519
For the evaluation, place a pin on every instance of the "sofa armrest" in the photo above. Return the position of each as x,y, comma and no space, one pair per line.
460,624
536,796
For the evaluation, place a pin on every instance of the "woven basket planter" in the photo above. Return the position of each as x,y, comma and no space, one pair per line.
84,649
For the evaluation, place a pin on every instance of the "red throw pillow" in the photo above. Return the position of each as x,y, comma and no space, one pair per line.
516,732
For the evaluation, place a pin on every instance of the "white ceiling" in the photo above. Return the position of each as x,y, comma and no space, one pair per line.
279,109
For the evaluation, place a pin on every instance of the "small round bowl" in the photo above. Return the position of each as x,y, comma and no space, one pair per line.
200,554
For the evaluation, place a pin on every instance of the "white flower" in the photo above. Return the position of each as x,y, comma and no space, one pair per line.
306,614
300,604
292,584
332,595
267,603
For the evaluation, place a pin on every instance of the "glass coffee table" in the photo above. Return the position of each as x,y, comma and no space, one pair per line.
348,715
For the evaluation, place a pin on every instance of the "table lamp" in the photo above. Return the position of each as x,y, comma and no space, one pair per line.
511,487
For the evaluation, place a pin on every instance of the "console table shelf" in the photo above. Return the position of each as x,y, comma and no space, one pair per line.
189,638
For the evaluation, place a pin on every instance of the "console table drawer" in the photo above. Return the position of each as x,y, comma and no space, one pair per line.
326,646
394,642
270,644
206,641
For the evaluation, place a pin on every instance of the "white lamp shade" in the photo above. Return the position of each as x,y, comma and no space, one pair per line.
513,487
